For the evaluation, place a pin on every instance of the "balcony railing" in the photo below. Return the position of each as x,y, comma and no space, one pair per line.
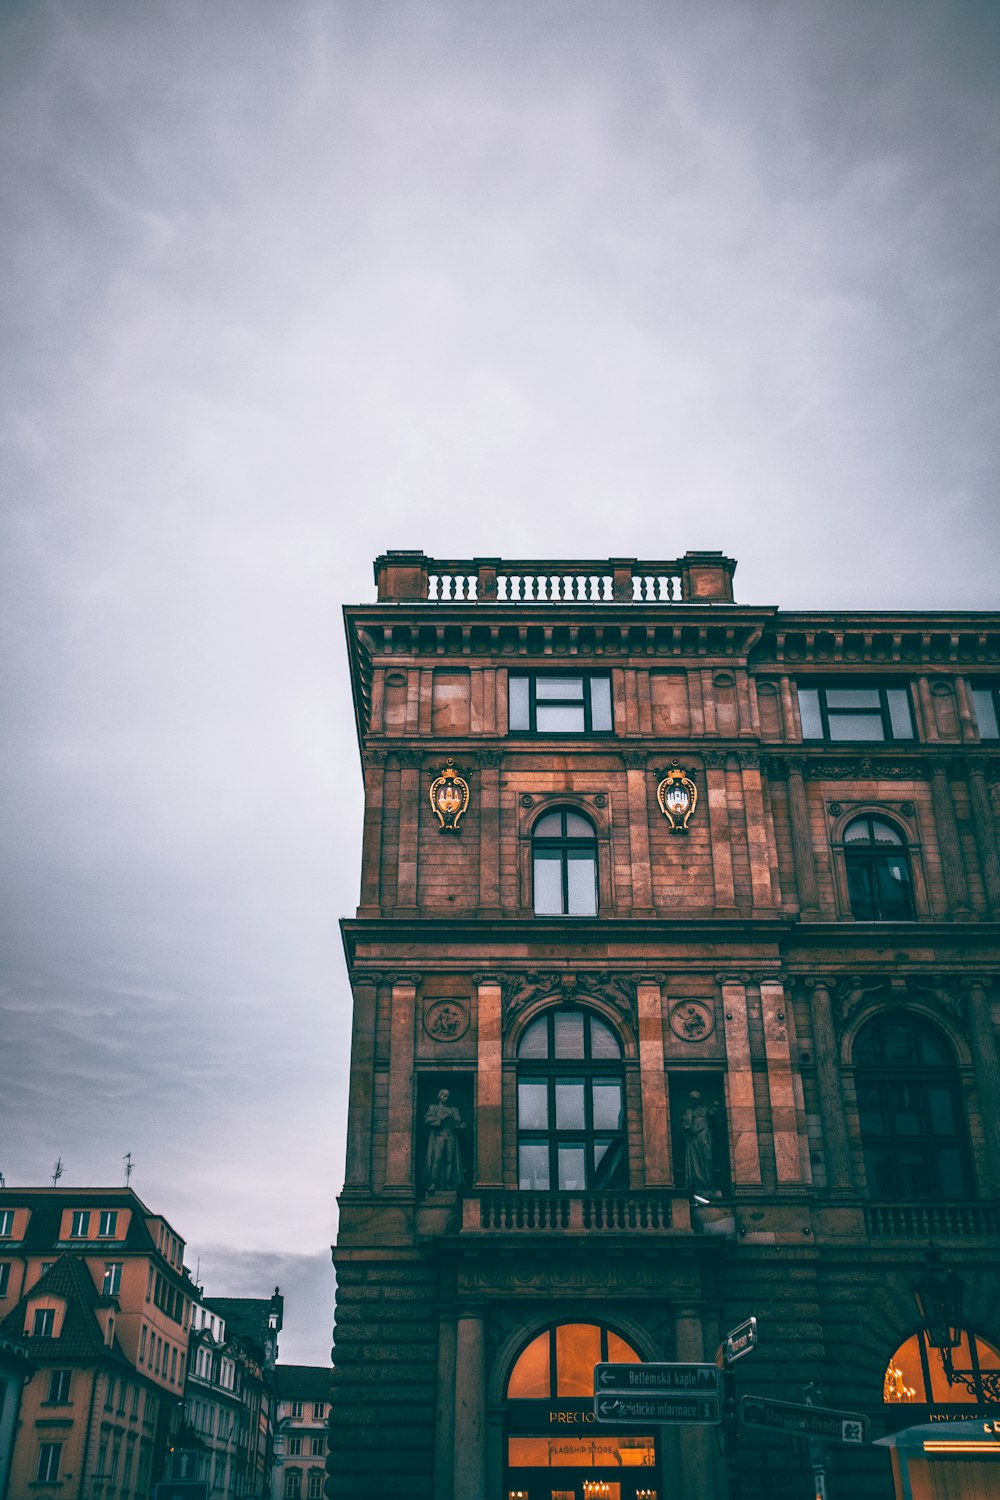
906,1221
412,576
582,1213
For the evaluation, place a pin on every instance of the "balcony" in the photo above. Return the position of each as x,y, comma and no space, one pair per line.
936,1221
526,1213
412,577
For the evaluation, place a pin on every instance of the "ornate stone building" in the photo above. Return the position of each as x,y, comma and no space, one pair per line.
672,1005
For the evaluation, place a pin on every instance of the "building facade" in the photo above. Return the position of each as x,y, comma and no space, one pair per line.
672,1005
94,1284
303,1401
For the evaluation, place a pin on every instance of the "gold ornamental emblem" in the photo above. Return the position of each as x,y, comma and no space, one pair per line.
449,797
678,798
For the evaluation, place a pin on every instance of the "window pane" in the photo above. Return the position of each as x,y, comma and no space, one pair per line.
517,702
578,828
871,1109
933,1049
856,727
559,718
607,1105
559,688
620,1353
812,724
893,882
899,1043
533,1106
529,1379
852,698
578,1350
535,1042
600,703
572,1169
533,1166
569,1033
942,1110
569,1104
860,891
880,1172
549,827
906,1112
548,884
899,713
609,1164
883,832
582,883
603,1042
858,831
986,713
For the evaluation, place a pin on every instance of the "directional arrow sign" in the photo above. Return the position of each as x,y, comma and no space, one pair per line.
740,1340
697,1410
701,1380
804,1421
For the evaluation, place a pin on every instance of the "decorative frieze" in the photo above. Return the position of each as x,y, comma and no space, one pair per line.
618,990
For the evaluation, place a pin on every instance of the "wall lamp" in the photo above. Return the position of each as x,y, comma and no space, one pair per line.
938,1294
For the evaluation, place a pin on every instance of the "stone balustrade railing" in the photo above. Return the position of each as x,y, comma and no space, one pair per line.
583,1213
931,1220
414,577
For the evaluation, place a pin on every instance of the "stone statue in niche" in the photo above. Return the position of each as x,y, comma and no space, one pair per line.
443,1160
698,1151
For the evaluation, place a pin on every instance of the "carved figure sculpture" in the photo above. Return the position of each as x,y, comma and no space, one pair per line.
698,1145
443,1160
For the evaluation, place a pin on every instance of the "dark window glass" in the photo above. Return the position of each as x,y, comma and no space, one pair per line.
559,703
571,1104
986,702
910,1111
855,712
564,851
878,871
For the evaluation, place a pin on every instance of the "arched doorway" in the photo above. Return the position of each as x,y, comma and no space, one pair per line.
942,1448
555,1450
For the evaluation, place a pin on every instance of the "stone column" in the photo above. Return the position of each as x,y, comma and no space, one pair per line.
409,831
400,1123
373,762
718,825
802,844
697,1479
966,711
987,837
744,1146
444,1416
653,1082
489,1067
951,850
987,1064
791,1159
831,1105
789,711
359,1108
489,832
931,733
470,1406
758,842
638,830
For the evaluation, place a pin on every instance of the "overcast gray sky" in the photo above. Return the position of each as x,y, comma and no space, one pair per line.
288,283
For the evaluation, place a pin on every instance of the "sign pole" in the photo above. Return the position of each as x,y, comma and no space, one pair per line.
731,1432
810,1396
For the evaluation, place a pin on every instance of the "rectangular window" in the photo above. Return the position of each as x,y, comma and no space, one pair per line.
6,1223
48,1462
107,1223
295,1410
317,1447
4,1277
58,1386
80,1224
109,1396
143,1334
319,1411
295,1446
43,1323
986,702
559,703
112,1278
855,712
315,1490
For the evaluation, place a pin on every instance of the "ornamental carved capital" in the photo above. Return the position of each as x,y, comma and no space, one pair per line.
374,760
635,760
490,760
715,760
409,759
774,767
748,760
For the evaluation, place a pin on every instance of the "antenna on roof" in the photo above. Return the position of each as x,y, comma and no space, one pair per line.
129,1164
57,1171
3,1180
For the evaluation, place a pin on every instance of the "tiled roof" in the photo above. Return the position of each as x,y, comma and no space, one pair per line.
81,1336
247,1316
47,1206
303,1382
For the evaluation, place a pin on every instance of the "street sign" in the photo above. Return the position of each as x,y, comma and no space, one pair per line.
740,1340
804,1421
654,1379
685,1410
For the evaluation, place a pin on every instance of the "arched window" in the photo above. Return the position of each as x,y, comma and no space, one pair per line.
916,1373
910,1110
570,1104
878,871
559,1363
564,849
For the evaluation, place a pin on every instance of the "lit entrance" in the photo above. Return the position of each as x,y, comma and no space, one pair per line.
555,1450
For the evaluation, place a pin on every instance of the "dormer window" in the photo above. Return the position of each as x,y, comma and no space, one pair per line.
6,1223
43,1323
79,1224
108,1222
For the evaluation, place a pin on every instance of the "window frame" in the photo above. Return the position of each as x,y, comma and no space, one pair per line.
868,855
532,676
591,1071
822,686
49,1460
60,1384
992,690
43,1322
107,1223
561,848
5,1266
6,1223
79,1224
112,1283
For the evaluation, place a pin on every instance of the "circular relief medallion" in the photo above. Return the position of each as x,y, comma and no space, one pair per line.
692,1020
446,1020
